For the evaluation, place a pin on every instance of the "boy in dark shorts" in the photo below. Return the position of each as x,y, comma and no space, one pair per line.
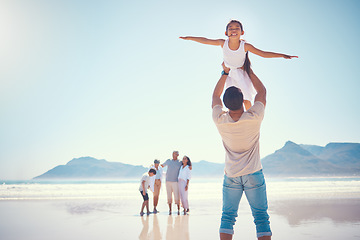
144,185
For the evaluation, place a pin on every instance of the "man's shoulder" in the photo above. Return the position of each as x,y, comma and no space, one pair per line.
217,107
260,104
217,112
257,109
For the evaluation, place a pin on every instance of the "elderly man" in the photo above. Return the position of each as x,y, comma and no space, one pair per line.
173,167
240,132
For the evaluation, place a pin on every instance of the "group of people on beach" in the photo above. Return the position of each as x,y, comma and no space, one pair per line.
239,128
178,176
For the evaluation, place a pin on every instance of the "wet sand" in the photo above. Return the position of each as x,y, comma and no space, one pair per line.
308,219
311,210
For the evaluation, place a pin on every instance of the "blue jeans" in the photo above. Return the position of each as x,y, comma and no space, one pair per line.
255,190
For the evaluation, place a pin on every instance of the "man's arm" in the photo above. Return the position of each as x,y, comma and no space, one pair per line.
219,88
164,164
215,42
259,87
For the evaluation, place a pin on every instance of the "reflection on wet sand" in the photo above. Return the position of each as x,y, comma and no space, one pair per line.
300,211
177,228
82,208
154,233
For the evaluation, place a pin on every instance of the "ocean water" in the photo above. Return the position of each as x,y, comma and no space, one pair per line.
299,208
277,188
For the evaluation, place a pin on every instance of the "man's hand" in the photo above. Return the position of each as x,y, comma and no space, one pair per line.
226,69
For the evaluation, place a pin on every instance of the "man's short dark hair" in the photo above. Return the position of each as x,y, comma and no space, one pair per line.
152,171
233,98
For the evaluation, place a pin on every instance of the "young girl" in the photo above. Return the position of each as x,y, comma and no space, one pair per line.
236,58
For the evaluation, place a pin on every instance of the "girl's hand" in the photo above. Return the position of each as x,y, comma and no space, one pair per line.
185,38
186,187
289,57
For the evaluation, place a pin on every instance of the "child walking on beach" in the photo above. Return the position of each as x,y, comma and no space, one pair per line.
144,185
235,53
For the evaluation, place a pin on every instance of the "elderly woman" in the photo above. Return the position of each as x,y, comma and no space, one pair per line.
183,181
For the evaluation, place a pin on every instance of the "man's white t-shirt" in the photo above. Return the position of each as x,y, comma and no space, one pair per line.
240,139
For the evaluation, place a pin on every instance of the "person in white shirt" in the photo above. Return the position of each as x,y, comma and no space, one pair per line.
144,185
157,183
183,181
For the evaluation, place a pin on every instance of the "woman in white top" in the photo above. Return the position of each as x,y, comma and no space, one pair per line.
183,181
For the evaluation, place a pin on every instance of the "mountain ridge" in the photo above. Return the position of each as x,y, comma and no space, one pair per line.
292,160
335,159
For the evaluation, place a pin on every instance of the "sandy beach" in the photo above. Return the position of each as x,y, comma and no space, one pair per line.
112,212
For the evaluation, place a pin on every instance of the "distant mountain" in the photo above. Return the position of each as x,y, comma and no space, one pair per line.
340,154
207,169
91,168
335,159
295,160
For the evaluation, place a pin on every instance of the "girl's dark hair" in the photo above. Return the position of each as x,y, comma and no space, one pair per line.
188,162
247,63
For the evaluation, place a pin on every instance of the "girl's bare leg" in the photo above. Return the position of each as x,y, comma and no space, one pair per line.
247,104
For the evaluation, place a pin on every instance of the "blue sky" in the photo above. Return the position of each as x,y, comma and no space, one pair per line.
112,80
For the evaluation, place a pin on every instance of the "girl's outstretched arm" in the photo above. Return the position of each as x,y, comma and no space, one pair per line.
215,42
254,50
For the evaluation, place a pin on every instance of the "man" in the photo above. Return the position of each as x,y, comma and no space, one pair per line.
157,183
172,173
240,132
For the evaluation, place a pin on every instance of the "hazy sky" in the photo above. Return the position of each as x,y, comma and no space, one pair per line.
112,79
